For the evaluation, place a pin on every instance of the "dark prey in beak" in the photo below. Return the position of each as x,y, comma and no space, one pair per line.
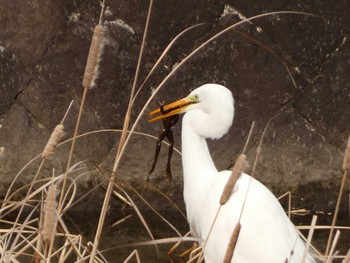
168,123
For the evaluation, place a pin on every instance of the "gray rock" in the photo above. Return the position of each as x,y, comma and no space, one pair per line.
43,53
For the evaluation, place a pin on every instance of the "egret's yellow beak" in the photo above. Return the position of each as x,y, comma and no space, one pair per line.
171,109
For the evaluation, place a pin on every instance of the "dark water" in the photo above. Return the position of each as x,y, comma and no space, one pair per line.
131,231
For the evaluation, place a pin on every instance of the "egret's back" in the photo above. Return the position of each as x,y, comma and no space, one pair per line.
267,234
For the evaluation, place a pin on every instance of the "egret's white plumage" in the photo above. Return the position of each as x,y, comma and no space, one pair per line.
267,235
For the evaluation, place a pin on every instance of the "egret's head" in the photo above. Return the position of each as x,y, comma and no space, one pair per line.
210,109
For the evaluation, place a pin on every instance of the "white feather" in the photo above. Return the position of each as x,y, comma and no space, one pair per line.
267,234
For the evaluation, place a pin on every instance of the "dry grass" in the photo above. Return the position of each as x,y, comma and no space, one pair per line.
43,236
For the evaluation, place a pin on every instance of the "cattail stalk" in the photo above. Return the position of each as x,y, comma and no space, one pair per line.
50,214
309,238
91,68
121,146
347,257
232,244
334,243
55,138
346,168
346,161
237,170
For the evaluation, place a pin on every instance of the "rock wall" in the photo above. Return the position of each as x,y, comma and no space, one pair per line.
289,67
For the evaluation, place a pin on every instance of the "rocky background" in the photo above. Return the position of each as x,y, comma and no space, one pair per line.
290,67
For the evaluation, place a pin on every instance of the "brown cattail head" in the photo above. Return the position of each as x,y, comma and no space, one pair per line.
346,161
55,138
237,170
91,68
50,214
232,244
2,150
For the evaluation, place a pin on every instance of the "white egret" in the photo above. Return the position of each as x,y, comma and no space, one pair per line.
267,235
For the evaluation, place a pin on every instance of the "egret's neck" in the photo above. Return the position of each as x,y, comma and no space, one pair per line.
198,166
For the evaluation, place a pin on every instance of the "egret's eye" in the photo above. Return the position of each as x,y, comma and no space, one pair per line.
193,98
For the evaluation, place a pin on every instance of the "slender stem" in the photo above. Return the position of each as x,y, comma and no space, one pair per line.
248,139
70,157
102,11
22,207
309,238
121,144
334,221
67,111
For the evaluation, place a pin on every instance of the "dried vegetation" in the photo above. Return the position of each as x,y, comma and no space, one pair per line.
33,226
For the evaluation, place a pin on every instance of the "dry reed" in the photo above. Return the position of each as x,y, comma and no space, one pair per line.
309,238
289,195
121,220
196,255
347,257
346,167
346,161
48,151
88,82
237,170
173,248
122,142
132,254
33,230
332,251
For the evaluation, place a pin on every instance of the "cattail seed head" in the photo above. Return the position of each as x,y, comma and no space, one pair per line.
2,150
232,243
55,138
346,161
237,170
50,214
91,68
